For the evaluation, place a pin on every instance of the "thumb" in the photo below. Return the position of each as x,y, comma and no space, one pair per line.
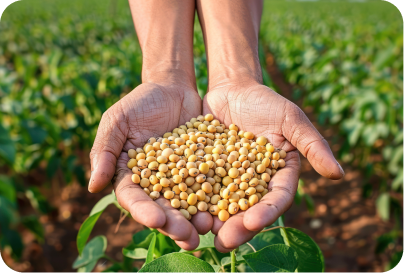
108,144
299,131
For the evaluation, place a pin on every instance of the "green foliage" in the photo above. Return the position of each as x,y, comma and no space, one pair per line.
150,251
396,258
32,223
278,248
94,250
383,205
7,146
309,254
205,241
352,66
349,71
274,258
136,253
87,226
302,195
11,221
177,262
61,66
142,238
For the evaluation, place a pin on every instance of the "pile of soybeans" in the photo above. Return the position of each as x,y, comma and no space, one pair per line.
205,166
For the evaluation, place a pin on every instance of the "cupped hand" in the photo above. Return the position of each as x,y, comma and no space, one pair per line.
258,109
150,110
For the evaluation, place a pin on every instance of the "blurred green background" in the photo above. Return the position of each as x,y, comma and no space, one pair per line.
63,63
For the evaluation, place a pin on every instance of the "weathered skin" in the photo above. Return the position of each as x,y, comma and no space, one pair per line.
168,98
236,95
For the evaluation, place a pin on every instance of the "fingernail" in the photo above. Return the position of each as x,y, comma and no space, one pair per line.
341,171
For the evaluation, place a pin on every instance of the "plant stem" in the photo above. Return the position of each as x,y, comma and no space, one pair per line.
280,220
110,259
233,260
268,229
250,245
214,256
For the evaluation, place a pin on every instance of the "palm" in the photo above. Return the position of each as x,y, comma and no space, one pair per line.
149,110
260,110
254,108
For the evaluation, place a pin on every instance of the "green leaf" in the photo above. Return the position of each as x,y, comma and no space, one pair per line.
150,251
216,267
113,268
38,201
309,203
85,230
398,181
274,258
395,259
14,240
142,238
8,213
309,254
87,226
103,203
243,267
384,240
177,262
239,256
264,239
137,253
7,146
205,241
164,245
383,206
53,165
398,138
88,267
94,250
7,188
260,241
31,222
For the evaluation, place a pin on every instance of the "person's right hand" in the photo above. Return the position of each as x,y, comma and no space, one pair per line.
150,110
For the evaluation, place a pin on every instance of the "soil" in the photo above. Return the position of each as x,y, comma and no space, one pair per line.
345,224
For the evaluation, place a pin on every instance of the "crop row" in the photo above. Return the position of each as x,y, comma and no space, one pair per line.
345,61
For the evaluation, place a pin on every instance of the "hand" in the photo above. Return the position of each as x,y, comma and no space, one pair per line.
150,110
258,109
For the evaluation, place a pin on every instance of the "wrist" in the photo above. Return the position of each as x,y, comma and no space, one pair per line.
233,59
169,72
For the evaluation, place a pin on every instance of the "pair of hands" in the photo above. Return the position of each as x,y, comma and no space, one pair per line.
152,109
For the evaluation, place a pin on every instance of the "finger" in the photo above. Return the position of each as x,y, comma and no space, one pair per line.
191,243
176,227
303,135
202,222
217,225
107,146
220,248
233,234
133,198
282,189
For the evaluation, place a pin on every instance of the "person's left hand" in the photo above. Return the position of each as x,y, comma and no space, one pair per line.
258,109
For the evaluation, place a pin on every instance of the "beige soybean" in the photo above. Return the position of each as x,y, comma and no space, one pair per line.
204,166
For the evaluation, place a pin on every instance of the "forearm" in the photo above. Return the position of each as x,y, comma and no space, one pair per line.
231,29
165,33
